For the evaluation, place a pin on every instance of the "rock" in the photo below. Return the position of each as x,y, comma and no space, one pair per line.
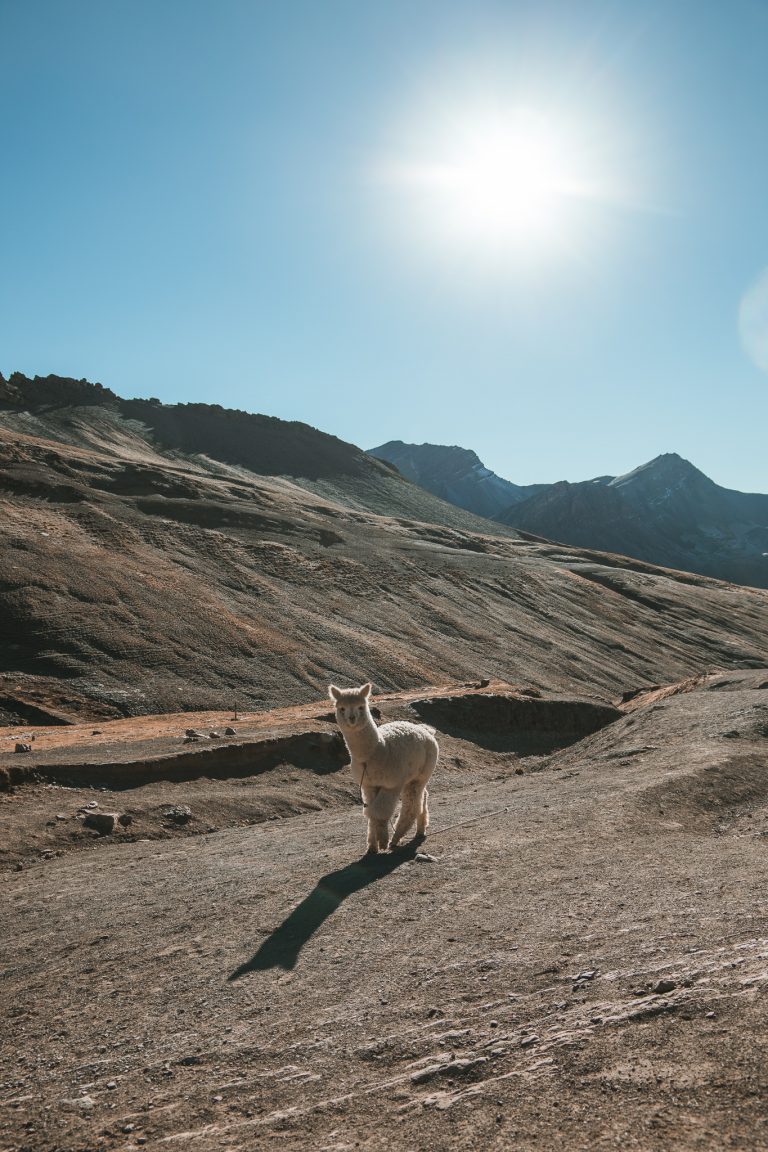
179,814
215,735
194,734
125,819
425,858
111,1084
22,747
528,1040
229,731
102,822
96,732
664,986
60,816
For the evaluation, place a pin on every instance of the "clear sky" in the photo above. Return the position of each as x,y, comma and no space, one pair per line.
537,229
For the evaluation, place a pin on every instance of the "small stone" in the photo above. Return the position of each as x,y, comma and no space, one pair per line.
60,816
111,1084
179,814
664,986
125,819
527,1041
215,735
126,1128
96,732
425,858
22,747
193,733
229,731
91,804
710,1016
519,772
86,1103
217,1099
101,822
588,975
18,866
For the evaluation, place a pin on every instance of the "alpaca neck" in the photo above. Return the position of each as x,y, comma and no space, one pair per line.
362,741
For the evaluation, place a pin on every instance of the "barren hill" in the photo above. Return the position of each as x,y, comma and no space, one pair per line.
138,577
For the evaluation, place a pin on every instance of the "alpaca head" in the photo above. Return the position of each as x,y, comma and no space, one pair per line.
351,704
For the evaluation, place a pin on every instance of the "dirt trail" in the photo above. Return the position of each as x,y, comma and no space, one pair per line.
522,981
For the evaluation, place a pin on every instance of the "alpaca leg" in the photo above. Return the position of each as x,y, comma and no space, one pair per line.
422,820
409,810
369,796
380,813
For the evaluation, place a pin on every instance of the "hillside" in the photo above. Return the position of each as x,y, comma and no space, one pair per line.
139,578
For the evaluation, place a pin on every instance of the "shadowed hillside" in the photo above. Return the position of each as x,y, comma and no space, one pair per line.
138,578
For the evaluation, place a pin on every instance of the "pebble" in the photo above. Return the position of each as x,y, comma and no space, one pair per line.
664,986
112,1084
425,858
21,747
230,731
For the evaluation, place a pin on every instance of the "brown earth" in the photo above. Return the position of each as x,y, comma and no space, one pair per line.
576,958
136,581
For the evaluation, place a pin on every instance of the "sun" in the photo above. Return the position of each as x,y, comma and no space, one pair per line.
505,180
496,180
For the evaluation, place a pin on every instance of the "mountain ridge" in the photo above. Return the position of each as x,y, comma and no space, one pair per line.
665,511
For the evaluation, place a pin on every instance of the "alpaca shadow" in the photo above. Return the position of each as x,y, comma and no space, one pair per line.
282,947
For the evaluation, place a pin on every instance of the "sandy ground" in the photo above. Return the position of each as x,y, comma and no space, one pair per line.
576,958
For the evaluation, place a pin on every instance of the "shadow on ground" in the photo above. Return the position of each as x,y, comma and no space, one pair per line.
282,947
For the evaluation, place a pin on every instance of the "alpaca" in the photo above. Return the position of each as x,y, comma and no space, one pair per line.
390,763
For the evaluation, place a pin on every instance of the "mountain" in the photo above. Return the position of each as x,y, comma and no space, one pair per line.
162,559
665,512
455,474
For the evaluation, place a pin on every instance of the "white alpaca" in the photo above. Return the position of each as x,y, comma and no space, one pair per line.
389,763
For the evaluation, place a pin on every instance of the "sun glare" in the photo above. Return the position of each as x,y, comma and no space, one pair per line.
507,182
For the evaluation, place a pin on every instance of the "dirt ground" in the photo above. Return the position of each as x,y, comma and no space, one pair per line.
576,958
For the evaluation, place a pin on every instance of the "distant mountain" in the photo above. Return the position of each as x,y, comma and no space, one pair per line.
666,512
455,474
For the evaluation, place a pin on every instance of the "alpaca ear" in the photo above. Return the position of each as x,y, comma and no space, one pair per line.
365,691
334,692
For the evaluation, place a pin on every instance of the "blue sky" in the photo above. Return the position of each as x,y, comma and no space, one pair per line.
196,205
